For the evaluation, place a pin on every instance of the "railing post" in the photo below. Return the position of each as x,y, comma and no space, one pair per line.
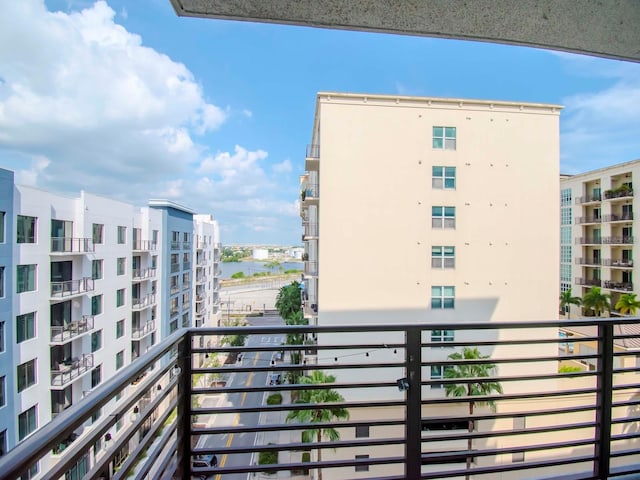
184,408
604,400
413,424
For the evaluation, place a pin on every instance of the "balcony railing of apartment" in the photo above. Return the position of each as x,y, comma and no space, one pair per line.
216,256
622,263
186,245
201,245
618,239
71,370
175,289
621,286
311,268
64,333
200,279
71,245
588,199
313,150
201,261
140,274
546,424
588,219
618,193
140,303
175,245
200,298
143,245
146,329
71,287
588,261
588,240
625,217
186,265
175,267
310,230
310,190
186,285
594,282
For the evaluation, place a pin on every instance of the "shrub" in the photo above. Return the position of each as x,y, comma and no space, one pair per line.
569,369
274,399
238,275
268,458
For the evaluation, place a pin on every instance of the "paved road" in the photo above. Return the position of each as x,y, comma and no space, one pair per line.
244,399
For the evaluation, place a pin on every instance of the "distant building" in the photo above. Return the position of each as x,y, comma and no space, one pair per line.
260,254
597,243
88,284
296,253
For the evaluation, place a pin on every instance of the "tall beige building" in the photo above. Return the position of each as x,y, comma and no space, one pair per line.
597,245
424,210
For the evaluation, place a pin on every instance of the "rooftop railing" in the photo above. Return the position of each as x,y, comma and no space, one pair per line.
414,409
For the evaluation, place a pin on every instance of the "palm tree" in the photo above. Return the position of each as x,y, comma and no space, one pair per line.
319,413
597,301
470,387
296,338
627,303
288,300
567,299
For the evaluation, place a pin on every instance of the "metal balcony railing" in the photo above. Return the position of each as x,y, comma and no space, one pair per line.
143,245
588,219
146,329
186,265
310,190
200,279
588,199
313,150
71,245
71,370
175,267
621,286
618,193
625,217
64,333
310,230
618,240
588,240
621,263
70,288
311,268
186,245
201,245
140,303
175,245
140,274
594,282
578,424
588,261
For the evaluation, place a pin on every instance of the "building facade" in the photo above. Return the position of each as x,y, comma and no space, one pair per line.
418,210
597,245
87,285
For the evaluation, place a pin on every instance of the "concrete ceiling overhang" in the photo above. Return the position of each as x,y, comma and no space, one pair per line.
605,28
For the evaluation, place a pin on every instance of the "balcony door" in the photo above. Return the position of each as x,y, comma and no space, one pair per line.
61,229
60,313
596,257
627,212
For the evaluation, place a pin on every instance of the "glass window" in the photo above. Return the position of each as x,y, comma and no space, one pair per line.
25,278
98,233
1,336
96,341
565,254
1,282
444,138
565,197
120,297
96,376
438,372
119,328
26,374
25,327
443,297
565,216
119,359
565,235
3,399
27,422
122,235
26,229
79,470
443,217
443,177
154,261
96,305
96,269
32,472
154,237
362,468
121,265
3,443
442,335
362,431
2,226
443,257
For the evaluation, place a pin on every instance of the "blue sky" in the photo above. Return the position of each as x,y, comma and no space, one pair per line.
129,100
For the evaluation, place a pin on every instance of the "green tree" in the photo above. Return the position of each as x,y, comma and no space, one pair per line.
627,303
288,300
566,299
596,301
319,413
473,385
296,339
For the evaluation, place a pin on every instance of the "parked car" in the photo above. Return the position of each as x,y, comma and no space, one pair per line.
204,461
275,379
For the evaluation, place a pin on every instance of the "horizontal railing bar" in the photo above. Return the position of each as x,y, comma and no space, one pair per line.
515,360
507,396
274,427
514,414
295,367
511,378
296,406
294,387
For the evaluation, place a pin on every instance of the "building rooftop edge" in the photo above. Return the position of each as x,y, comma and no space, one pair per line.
159,202
378,96
602,169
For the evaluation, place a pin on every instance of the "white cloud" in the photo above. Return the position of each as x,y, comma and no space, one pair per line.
283,167
30,176
77,87
247,113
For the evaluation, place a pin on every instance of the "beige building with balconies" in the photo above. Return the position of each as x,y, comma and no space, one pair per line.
597,244
419,210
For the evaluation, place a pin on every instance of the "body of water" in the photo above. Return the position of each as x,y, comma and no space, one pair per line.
249,268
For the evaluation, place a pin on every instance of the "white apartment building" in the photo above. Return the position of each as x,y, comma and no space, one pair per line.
597,245
85,288
206,300
419,210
